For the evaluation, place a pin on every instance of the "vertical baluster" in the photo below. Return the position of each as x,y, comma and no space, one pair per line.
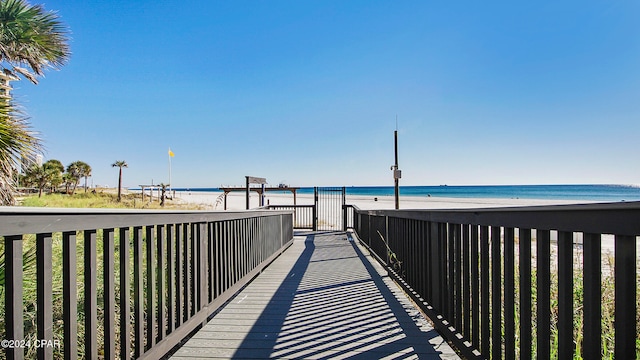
592,260
228,252
44,275
496,294
426,260
543,250
241,247
180,261
447,255
151,288
203,241
224,256
458,276
161,276
436,278
216,260
90,295
187,271
193,275
565,295
484,291
525,293
211,261
234,252
509,293
14,327
171,277
475,288
625,297
195,281
125,311
109,299
70,295
138,293
466,288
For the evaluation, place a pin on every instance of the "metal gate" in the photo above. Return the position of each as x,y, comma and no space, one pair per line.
329,208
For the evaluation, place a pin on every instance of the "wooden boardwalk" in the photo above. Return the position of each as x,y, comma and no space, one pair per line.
324,298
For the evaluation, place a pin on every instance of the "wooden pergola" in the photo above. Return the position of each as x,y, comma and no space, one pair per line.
257,189
151,189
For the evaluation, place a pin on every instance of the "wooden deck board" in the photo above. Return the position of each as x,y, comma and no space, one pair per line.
323,298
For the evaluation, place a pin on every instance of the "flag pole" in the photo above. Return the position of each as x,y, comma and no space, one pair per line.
170,156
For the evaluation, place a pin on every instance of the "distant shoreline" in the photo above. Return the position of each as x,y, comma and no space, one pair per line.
602,193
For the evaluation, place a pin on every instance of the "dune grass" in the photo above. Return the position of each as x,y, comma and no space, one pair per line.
79,200
102,200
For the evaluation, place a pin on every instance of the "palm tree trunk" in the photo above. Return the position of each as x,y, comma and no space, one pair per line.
120,184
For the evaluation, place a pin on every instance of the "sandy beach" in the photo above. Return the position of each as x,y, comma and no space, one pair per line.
237,201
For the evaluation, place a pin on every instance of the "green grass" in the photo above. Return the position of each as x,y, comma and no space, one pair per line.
79,200
100,200
607,311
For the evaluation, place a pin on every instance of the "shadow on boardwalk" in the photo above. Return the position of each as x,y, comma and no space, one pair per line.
322,299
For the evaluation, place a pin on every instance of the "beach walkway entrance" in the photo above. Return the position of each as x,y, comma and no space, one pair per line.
324,297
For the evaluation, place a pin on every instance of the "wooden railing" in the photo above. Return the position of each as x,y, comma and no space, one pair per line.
304,216
518,282
124,284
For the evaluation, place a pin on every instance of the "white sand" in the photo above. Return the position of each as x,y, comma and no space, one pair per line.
237,201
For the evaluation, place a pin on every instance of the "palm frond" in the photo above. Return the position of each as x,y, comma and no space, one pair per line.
32,36
18,144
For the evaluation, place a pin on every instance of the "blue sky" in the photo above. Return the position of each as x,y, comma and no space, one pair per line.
307,92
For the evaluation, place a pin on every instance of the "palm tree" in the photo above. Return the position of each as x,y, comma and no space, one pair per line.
55,168
31,36
67,180
85,171
18,145
40,176
120,164
77,170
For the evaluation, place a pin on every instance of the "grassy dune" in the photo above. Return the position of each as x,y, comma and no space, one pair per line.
102,199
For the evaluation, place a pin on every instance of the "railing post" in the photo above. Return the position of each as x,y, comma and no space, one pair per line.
70,295
151,288
44,277
13,294
315,209
543,284
90,295
108,251
204,290
161,279
524,247
625,297
125,312
592,258
344,209
565,295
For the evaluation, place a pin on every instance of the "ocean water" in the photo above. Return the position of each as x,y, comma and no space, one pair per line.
552,192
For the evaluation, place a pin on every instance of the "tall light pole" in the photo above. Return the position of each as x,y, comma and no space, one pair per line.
397,174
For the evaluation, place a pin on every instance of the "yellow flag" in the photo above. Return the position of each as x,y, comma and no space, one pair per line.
171,153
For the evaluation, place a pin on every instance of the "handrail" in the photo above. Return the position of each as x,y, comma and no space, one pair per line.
460,266
180,266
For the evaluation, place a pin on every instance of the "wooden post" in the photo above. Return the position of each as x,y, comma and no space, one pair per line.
247,192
